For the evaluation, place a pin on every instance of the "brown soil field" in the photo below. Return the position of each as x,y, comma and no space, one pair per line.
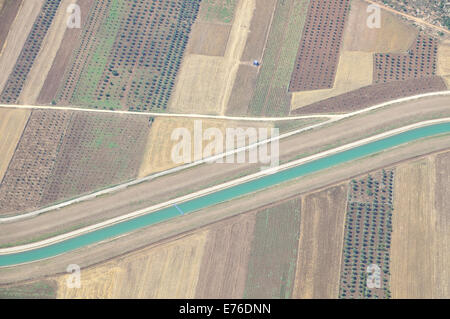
31,166
208,39
205,83
394,35
372,95
354,71
259,28
96,151
17,35
12,123
419,62
30,50
242,90
169,270
158,152
49,48
273,255
420,230
61,61
225,259
320,244
318,53
8,12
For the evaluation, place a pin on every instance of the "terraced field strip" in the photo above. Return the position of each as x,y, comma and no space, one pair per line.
271,97
273,254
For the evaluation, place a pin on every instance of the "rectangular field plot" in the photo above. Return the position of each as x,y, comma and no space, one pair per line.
64,154
273,254
318,54
374,94
367,237
97,151
31,166
129,54
271,97
419,62
30,50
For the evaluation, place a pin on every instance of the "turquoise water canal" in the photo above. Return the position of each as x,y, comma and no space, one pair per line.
222,195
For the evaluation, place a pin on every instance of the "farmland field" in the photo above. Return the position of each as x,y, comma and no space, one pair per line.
44,60
8,11
318,54
33,161
373,94
367,237
224,265
129,54
167,270
319,256
12,123
271,97
394,35
420,239
354,71
16,80
205,82
273,254
217,11
60,63
419,62
64,154
158,151
97,151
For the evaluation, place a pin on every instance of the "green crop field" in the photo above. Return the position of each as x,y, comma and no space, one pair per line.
273,255
271,97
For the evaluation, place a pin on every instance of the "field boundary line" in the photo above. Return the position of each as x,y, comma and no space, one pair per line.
209,190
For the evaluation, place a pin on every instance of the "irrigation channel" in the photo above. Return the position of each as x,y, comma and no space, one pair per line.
221,196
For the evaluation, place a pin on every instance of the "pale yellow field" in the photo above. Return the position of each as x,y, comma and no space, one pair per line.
355,70
168,270
205,83
44,60
12,123
320,244
393,36
443,61
158,154
417,245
